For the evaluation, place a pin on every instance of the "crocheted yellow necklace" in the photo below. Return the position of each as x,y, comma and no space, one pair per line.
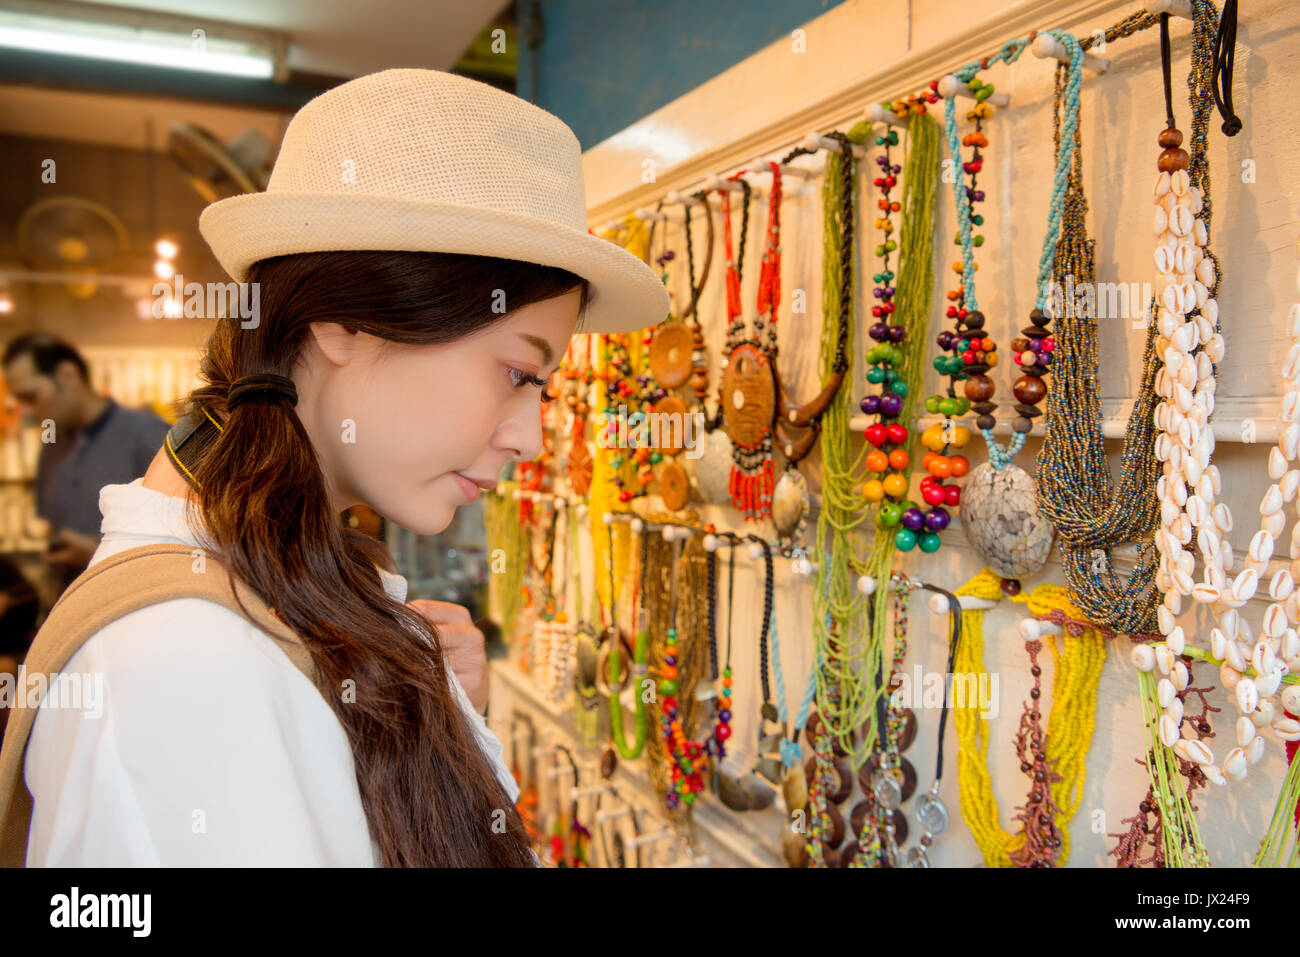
1077,668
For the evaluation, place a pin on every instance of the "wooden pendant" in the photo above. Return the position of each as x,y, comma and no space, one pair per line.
748,396
671,413
670,354
674,486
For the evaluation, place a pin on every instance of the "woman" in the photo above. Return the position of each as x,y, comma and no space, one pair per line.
421,261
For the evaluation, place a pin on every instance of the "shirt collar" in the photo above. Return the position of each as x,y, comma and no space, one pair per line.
133,514
97,423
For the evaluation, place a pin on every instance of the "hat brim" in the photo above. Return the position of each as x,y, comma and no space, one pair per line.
625,293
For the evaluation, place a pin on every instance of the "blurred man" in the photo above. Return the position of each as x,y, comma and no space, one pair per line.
97,442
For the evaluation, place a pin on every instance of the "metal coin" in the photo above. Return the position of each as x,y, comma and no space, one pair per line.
915,857
931,814
887,789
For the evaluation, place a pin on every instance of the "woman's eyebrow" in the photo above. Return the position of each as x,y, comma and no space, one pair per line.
542,345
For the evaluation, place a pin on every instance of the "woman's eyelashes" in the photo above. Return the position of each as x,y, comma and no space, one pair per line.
519,379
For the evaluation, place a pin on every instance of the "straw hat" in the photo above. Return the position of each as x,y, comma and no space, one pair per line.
412,159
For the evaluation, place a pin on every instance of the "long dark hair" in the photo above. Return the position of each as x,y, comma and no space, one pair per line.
430,794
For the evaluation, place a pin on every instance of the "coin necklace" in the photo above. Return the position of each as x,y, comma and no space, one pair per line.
676,353
892,779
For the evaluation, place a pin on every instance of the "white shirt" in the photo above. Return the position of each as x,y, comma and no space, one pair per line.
210,748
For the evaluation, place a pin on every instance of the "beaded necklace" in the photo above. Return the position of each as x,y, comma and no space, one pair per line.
1029,389
1093,513
1000,515
845,658
889,457
1070,723
687,759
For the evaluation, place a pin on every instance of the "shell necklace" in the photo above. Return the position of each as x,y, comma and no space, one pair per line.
1190,344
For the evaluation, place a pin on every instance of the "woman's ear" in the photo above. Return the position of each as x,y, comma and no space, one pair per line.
338,343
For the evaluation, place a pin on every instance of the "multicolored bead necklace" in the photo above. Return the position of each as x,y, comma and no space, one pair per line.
688,760
889,456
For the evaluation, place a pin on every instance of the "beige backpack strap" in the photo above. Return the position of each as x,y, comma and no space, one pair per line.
109,589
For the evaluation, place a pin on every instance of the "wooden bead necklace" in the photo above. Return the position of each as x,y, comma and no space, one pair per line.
1000,514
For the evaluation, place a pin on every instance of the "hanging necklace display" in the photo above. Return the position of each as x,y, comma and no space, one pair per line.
570,840
615,681
1093,513
525,775
713,467
620,854
1000,512
542,601
1187,281
747,394
1281,844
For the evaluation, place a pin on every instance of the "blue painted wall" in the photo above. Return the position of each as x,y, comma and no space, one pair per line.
604,64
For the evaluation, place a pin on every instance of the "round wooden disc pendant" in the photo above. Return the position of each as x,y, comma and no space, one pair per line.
674,486
748,396
670,355
671,413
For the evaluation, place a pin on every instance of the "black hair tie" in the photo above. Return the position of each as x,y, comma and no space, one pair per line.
258,386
